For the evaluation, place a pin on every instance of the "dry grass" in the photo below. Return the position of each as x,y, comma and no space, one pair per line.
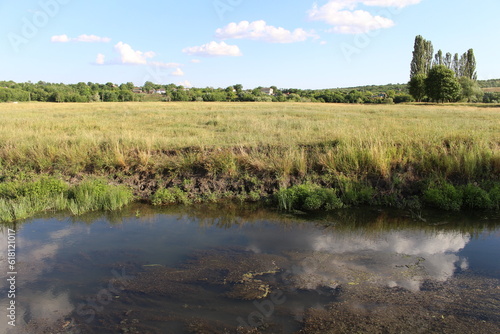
492,89
225,138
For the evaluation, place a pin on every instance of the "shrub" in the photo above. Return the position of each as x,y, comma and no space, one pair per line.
354,192
494,195
308,197
444,196
475,197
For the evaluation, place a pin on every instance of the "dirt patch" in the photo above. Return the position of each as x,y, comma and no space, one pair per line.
239,274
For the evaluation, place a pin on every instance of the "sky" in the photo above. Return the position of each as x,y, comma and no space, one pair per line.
216,43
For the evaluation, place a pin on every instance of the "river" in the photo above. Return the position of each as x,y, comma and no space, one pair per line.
245,269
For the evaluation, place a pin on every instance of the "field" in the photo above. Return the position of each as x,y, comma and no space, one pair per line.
492,89
213,150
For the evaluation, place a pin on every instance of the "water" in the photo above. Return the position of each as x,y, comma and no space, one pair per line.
231,269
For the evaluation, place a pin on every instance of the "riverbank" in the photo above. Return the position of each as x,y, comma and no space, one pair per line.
298,156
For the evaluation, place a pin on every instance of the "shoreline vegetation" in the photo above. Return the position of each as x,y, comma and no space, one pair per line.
296,156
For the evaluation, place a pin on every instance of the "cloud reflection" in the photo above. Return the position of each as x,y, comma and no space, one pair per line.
397,258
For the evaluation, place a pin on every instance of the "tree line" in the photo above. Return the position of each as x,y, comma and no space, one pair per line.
433,77
93,92
443,77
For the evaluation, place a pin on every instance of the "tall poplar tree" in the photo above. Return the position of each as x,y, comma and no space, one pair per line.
469,65
423,52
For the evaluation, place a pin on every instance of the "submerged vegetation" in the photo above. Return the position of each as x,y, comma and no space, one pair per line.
299,156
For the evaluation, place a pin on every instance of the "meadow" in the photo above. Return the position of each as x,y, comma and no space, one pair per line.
382,154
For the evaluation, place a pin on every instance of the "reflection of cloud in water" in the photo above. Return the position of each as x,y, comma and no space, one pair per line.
32,255
402,242
49,306
400,258
46,307
32,259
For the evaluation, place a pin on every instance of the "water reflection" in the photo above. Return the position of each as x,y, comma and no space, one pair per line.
62,263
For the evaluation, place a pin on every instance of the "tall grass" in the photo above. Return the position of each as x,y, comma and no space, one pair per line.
20,200
381,146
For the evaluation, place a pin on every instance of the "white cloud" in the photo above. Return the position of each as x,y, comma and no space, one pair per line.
131,56
164,65
345,19
81,38
195,61
214,49
60,39
259,30
185,83
100,59
177,73
348,21
92,39
390,3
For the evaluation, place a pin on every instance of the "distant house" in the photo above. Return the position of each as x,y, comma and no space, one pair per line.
157,91
267,91
379,96
137,90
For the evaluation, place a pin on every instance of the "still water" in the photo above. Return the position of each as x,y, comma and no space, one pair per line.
243,269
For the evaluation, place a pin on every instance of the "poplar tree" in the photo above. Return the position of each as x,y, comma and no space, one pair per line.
438,58
423,52
469,65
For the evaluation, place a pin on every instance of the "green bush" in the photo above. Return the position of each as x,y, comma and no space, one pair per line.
475,197
167,196
354,192
494,195
444,196
308,197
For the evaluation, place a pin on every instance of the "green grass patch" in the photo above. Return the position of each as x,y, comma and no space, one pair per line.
168,196
23,199
446,196
308,197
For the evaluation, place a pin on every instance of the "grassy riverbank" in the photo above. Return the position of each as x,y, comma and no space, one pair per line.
444,156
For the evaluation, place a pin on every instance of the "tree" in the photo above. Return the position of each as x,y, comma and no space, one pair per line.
456,65
238,88
469,65
470,90
148,86
448,60
416,87
422,56
441,85
438,58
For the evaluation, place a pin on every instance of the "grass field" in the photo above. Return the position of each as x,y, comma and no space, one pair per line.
278,144
492,89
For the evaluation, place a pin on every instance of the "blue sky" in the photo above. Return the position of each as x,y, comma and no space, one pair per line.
299,44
